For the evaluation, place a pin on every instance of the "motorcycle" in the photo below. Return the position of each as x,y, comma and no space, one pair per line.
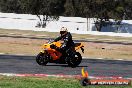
50,55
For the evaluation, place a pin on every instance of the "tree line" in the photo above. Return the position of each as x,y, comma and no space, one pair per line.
103,10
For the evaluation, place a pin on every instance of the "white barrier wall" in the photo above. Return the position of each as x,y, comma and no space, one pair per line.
74,24
16,21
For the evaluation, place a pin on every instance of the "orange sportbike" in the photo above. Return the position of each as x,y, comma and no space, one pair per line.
50,55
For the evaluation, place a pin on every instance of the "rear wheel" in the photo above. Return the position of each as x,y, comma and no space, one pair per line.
74,62
42,59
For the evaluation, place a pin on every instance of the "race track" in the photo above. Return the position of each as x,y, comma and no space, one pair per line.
27,64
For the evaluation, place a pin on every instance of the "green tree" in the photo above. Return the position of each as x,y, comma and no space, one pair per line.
11,6
49,10
41,8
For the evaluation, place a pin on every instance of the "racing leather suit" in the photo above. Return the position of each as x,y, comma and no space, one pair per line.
68,42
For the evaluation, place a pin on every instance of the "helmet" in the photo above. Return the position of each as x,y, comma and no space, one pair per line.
63,30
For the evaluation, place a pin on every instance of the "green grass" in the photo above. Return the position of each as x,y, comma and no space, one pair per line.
31,82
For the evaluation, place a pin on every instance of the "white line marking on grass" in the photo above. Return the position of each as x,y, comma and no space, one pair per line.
103,58
21,54
41,35
120,59
2,53
25,34
85,57
12,33
14,54
100,58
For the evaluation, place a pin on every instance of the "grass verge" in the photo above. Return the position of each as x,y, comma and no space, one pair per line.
46,82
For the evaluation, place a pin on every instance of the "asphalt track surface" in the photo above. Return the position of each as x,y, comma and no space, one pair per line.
27,65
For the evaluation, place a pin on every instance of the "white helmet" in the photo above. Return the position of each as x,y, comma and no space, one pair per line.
63,30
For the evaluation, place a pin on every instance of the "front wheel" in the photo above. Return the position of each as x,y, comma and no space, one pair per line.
74,62
42,59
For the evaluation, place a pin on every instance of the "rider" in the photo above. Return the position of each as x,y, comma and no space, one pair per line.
67,38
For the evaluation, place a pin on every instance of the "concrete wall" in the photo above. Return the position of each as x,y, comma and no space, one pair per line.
74,24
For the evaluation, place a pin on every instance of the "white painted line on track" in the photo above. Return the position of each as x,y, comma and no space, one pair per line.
7,74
